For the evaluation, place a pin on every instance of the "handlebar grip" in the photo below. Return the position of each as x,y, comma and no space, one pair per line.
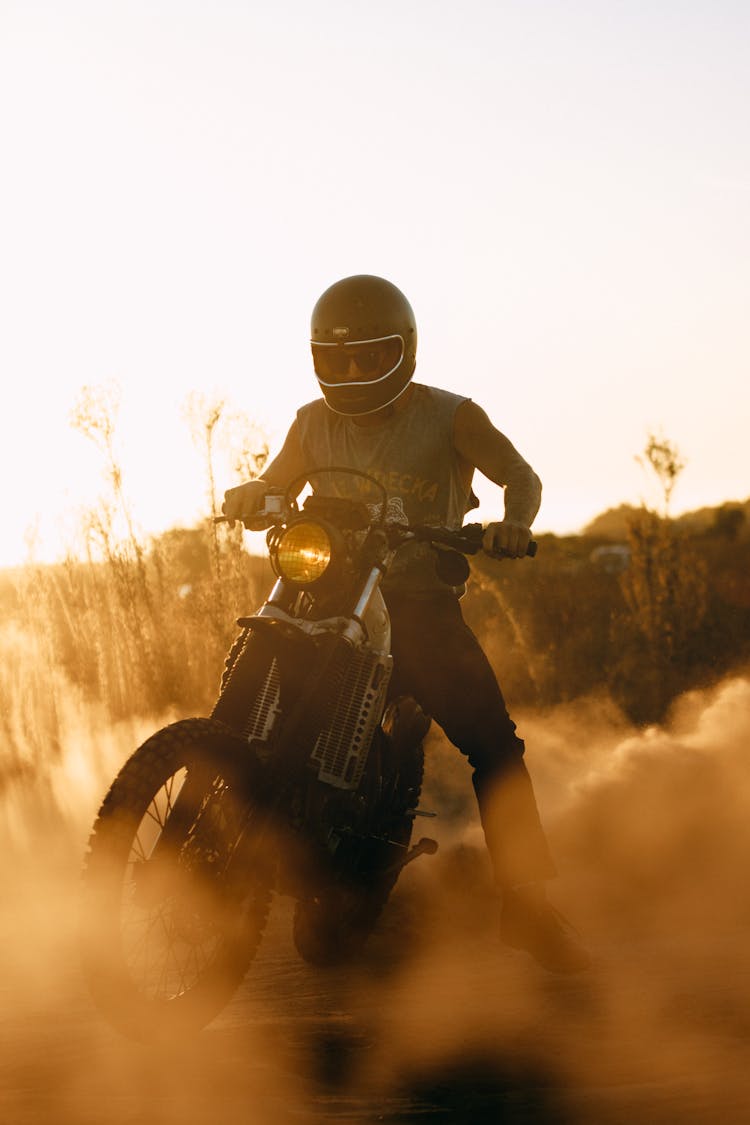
529,553
475,533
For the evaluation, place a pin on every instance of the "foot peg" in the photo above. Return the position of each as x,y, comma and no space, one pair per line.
426,846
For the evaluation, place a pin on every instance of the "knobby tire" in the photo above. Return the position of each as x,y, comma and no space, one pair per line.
169,934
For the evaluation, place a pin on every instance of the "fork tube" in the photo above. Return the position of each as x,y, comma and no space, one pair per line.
373,581
278,596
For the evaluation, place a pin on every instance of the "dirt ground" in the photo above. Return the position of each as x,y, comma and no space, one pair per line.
439,1021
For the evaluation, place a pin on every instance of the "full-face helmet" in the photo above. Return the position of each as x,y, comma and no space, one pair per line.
364,344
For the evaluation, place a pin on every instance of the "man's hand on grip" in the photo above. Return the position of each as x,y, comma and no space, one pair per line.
242,502
507,539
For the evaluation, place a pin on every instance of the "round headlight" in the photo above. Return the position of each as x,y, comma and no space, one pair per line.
303,553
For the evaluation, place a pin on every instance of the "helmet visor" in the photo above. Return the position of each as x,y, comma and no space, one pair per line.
362,361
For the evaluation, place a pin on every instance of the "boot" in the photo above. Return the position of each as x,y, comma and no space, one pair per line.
531,923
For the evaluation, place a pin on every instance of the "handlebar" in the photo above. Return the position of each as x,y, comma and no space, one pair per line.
250,523
467,540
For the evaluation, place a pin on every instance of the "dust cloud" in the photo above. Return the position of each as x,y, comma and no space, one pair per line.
651,832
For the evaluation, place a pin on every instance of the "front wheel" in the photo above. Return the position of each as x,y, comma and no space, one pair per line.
176,890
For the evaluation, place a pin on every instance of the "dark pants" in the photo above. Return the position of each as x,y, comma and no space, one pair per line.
438,660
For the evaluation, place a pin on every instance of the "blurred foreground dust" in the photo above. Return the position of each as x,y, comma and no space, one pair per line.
652,834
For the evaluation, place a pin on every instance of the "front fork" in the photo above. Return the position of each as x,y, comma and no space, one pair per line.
369,619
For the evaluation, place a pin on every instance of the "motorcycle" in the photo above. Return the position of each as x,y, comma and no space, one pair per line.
305,780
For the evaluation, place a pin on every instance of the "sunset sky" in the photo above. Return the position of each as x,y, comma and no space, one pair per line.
561,188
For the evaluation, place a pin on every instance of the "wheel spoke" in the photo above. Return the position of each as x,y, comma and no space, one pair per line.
170,906
170,945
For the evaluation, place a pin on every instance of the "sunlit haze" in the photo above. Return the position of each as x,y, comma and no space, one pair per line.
562,191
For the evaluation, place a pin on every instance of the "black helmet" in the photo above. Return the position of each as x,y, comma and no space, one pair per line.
364,344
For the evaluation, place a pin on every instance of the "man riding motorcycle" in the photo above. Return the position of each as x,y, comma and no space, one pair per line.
423,445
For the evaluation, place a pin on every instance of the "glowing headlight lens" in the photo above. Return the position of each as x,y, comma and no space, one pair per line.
304,553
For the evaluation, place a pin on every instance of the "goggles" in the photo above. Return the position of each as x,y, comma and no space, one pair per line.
362,361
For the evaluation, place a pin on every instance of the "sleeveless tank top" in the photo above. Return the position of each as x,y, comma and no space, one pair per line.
411,455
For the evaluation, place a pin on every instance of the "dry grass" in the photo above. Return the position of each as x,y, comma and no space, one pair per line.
143,634
92,645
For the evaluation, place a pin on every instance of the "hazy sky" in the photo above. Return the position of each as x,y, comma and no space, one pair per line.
561,188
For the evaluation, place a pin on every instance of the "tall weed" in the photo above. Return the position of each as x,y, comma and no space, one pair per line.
661,635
